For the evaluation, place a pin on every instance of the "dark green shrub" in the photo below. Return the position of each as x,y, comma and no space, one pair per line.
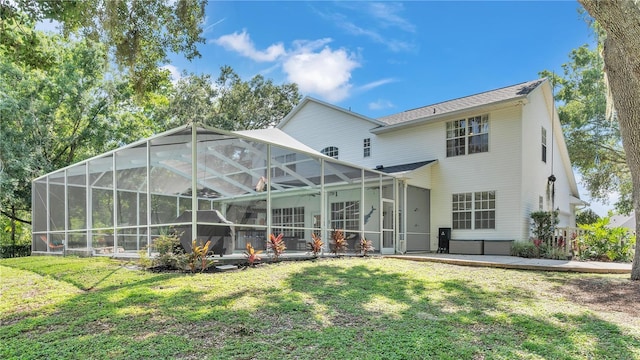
525,249
9,251
544,223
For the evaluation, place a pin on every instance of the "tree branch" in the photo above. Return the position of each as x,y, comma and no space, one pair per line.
15,217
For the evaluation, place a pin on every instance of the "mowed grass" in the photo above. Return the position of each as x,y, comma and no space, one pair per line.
350,308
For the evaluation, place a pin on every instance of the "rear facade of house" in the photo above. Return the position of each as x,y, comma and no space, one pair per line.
474,167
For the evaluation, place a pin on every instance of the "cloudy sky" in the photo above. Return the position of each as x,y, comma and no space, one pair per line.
385,57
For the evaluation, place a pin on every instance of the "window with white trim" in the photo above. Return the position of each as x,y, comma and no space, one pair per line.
289,218
345,215
485,210
544,144
462,210
474,210
367,147
330,151
468,136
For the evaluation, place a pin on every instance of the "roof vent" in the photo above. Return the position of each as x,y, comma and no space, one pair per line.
379,167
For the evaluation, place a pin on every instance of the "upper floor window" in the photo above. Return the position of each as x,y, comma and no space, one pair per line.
330,151
468,136
544,144
367,147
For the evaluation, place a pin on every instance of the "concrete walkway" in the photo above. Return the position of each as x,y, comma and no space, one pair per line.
512,262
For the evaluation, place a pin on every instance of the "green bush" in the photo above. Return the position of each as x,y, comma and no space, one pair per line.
603,243
9,251
543,224
525,249
170,252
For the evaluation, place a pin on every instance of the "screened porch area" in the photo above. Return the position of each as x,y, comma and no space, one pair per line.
231,188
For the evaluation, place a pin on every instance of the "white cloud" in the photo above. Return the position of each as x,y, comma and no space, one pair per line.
242,44
375,84
387,15
326,73
175,73
381,104
373,32
312,64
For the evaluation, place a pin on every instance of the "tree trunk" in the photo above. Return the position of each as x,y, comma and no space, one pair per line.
620,20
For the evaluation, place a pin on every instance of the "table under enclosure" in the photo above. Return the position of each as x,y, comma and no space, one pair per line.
210,185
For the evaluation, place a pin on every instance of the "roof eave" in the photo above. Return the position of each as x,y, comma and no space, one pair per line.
308,99
522,99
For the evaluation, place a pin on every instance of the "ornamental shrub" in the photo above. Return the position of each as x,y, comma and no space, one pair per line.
601,242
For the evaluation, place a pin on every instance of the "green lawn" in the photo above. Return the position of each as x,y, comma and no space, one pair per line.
351,308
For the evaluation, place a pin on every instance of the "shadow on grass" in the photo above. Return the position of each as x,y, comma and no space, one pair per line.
341,309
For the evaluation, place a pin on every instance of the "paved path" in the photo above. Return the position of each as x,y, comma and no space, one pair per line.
512,262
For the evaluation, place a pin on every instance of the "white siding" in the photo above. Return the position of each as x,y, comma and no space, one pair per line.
498,170
319,126
537,114
512,167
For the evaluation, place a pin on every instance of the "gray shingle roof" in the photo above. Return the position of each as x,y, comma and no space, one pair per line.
485,98
404,167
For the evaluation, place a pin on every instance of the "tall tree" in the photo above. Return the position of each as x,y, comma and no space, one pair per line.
138,33
593,140
58,113
230,103
621,22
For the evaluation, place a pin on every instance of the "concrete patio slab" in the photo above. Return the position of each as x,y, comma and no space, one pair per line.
513,262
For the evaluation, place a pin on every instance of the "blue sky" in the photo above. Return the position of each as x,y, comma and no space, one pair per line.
386,57
380,58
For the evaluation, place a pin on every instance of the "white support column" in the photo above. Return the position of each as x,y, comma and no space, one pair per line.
194,182
88,208
323,208
362,203
66,213
115,202
269,219
49,240
148,194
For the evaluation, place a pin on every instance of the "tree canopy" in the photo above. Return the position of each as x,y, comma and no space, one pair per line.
593,140
230,103
61,102
138,35
621,52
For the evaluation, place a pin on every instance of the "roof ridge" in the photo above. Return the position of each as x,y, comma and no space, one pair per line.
462,97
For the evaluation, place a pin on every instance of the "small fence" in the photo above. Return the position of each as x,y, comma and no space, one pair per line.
568,238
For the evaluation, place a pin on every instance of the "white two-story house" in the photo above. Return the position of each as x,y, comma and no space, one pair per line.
474,168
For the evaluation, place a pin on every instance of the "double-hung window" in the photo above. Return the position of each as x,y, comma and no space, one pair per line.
468,136
474,210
